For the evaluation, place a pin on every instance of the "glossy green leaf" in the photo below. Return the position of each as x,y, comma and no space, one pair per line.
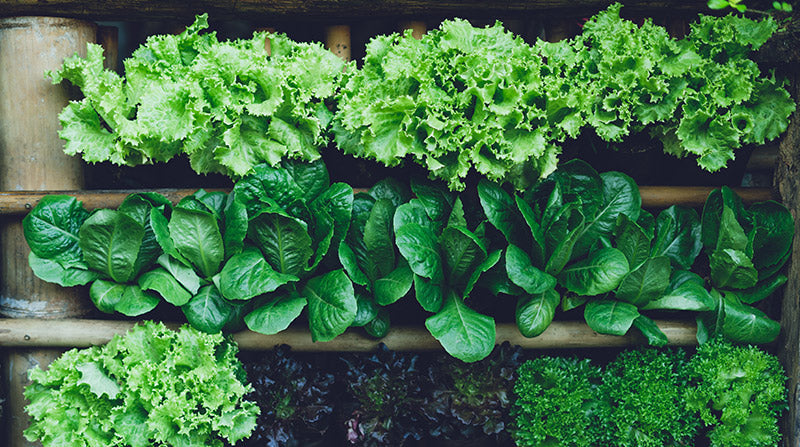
275,314
106,294
712,214
572,301
745,324
774,232
535,312
610,317
349,261
379,237
491,260
620,196
331,305
248,275
731,234
464,333
110,242
561,236
336,202
311,177
761,290
502,212
379,326
197,237
732,269
160,225
51,271
601,272
51,228
389,188
395,285
283,240
366,309
135,301
461,251
161,281
435,200
430,295
537,246
419,246
632,241
183,273
654,335
689,295
678,236
235,226
139,207
208,311
412,212
646,283
522,273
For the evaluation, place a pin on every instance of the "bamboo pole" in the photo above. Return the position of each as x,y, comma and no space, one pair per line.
337,40
32,158
20,202
81,333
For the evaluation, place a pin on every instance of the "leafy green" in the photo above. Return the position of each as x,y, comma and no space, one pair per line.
553,402
739,392
461,98
746,247
368,252
150,387
227,105
447,259
644,394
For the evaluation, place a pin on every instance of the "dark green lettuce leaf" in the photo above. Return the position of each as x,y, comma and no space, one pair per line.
110,242
51,229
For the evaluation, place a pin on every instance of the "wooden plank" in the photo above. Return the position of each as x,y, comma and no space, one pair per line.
20,202
81,333
324,10
788,343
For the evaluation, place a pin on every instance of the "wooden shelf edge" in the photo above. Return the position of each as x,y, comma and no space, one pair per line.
81,333
20,202
324,10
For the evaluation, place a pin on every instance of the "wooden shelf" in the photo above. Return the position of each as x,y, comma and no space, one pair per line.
20,202
81,333
324,10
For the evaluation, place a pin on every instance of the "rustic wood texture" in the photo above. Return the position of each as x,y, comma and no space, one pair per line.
323,10
20,202
31,153
337,40
16,364
787,180
108,38
32,158
81,333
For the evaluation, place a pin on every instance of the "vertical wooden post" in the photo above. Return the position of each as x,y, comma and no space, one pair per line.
32,158
787,181
337,40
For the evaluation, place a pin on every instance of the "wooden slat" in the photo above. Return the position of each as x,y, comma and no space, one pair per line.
322,9
20,202
81,333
